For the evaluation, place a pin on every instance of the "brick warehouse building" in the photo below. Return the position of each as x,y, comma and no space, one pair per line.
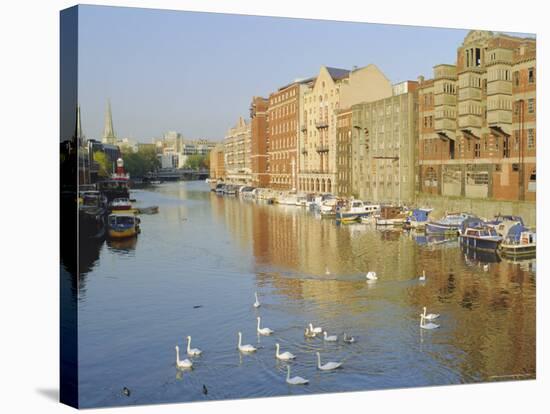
259,142
284,130
477,121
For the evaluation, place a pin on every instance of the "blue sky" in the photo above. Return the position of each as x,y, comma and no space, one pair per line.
196,73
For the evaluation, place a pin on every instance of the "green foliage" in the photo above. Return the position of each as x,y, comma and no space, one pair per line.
104,164
138,164
196,162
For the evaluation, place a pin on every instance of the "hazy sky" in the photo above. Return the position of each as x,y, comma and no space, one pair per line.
196,73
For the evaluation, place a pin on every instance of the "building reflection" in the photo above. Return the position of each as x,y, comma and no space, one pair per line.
488,304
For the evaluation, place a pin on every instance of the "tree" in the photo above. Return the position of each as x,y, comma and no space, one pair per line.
104,164
196,162
138,164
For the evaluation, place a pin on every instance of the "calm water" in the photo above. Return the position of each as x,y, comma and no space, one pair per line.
196,265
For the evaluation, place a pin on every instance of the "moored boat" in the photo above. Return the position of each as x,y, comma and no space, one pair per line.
391,216
123,225
476,234
120,204
418,218
519,242
450,224
355,210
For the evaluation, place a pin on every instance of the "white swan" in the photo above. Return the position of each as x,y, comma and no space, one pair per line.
429,325
429,316
285,356
294,380
245,348
263,331
185,364
328,366
423,277
371,276
349,339
331,338
327,272
257,303
309,334
192,351
315,330
486,267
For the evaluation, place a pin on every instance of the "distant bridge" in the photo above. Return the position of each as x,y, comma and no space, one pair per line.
177,174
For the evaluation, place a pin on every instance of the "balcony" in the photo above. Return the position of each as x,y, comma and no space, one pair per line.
444,99
468,93
321,148
501,119
444,124
499,87
322,123
304,150
303,127
469,121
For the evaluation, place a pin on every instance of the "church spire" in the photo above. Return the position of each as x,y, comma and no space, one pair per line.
108,132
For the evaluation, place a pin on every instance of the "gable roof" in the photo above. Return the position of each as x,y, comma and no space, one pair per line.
337,73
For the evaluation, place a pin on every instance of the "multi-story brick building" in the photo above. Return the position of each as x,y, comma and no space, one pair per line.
383,145
284,133
259,142
343,152
477,122
217,167
237,149
332,90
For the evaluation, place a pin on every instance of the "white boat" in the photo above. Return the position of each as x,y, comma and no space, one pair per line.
355,210
328,207
287,199
519,242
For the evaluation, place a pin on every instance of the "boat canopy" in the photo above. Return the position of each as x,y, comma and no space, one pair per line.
514,232
420,214
471,222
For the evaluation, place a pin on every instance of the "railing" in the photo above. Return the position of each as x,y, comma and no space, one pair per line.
323,123
304,150
322,148
303,127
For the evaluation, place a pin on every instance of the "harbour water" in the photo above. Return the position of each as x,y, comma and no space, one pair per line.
196,265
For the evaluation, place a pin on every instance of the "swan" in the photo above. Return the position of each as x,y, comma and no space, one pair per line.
245,348
185,364
327,272
285,356
294,380
257,303
429,325
423,277
486,267
263,331
371,276
309,334
328,366
315,330
192,351
429,316
349,339
331,338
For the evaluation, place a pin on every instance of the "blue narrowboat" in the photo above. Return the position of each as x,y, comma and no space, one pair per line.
477,235
450,224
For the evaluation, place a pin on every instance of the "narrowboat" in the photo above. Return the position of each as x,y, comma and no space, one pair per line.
450,224
391,216
519,242
123,225
477,235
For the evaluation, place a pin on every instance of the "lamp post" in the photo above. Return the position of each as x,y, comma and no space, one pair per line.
521,178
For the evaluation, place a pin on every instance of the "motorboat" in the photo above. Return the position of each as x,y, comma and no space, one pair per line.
450,224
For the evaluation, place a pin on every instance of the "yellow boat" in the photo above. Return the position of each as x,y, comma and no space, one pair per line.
123,226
